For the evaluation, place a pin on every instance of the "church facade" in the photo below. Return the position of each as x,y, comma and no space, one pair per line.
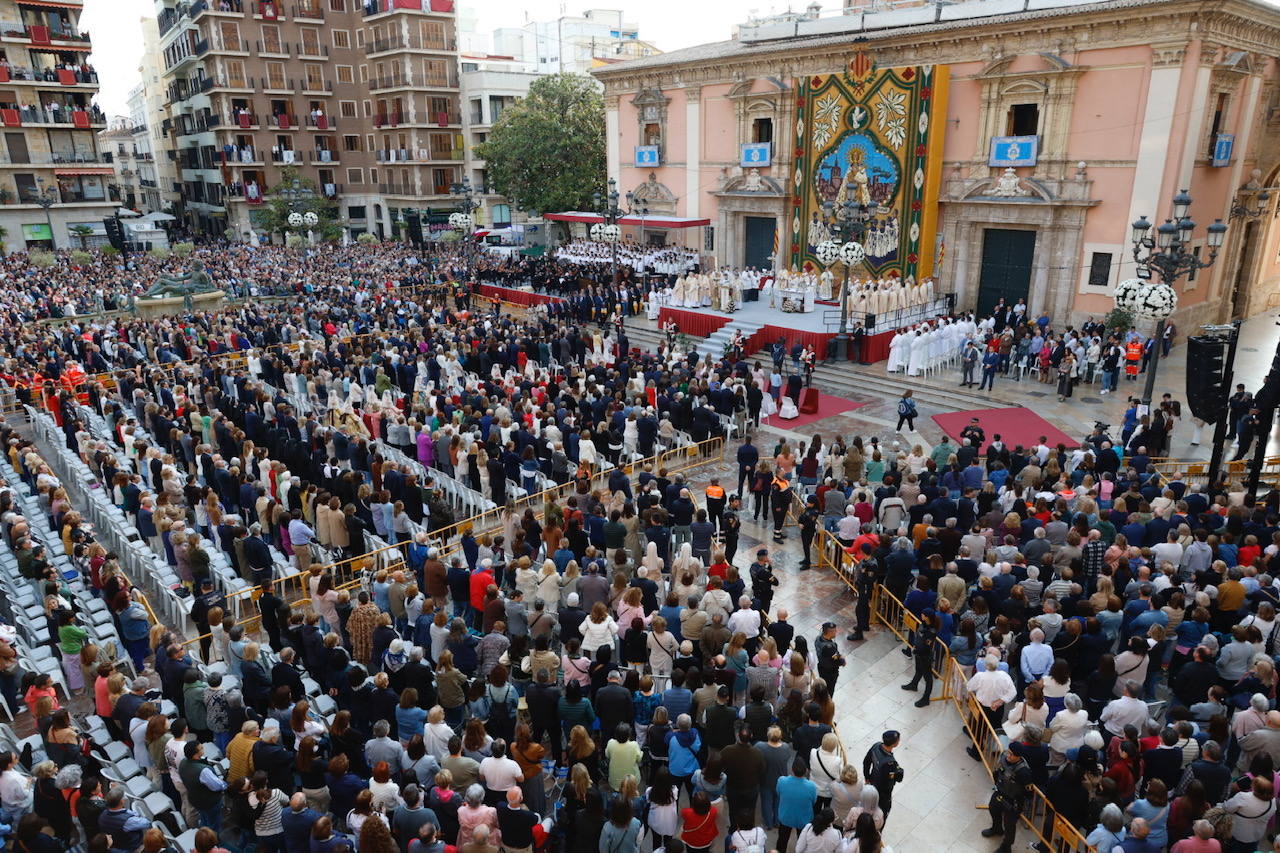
1002,147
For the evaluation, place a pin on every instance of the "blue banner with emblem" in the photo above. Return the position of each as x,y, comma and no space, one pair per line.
647,155
1014,151
756,154
1223,145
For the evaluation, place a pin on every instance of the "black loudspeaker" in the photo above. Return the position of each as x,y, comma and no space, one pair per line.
115,233
413,222
1206,392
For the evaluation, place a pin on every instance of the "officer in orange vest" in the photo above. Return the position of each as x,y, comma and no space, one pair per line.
715,502
1132,358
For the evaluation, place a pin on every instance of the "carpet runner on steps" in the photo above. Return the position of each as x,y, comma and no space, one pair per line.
715,343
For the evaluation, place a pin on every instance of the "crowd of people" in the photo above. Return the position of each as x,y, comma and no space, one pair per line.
606,671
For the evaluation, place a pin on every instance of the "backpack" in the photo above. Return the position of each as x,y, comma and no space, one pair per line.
906,407
499,711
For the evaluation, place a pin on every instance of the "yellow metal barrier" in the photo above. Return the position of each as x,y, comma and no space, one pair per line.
1054,831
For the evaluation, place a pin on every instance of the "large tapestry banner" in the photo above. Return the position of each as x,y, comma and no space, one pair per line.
872,137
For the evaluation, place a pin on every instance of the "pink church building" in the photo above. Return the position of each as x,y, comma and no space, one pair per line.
1053,125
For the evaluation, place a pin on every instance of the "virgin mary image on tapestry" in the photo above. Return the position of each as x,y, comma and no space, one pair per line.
869,145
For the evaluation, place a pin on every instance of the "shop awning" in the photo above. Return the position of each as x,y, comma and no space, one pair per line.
51,4
89,170
639,221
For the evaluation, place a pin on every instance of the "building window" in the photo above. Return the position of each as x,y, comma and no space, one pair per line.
501,215
1100,269
341,39
355,176
351,143
338,5
762,130
345,74
1024,120
1219,119
356,211
347,109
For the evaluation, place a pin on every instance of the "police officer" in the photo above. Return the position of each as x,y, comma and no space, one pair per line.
1013,780
763,580
868,576
808,528
1251,427
731,527
922,653
829,658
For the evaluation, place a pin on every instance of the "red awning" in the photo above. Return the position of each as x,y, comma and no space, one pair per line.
51,4
87,170
638,221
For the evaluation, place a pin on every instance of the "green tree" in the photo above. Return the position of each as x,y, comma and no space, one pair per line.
182,250
83,233
547,153
275,213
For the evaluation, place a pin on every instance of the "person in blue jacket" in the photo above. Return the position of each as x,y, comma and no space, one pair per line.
797,795
683,745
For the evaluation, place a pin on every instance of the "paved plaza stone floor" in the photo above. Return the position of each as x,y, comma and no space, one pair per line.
936,808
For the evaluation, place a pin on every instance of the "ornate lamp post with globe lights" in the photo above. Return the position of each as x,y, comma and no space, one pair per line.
609,231
1169,254
464,220
849,223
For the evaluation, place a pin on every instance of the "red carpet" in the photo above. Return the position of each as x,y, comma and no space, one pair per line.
827,407
1016,425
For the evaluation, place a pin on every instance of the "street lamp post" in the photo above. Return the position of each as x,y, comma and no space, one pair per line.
1169,254
464,219
848,223
609,231
297,196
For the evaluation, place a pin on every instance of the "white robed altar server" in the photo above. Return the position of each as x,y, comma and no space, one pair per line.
899,351
919,353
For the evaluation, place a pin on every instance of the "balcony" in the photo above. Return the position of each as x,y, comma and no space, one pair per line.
269,10
321,122
278,84
202,47
241,119
324,155
400,80
253,195
388,119
317,86
222,81
400,42
279,49
313,51
378,7
308,11
283,121
224,6
396,189
242,156
85,119
42,35
84,76
286,157
59,158
147,182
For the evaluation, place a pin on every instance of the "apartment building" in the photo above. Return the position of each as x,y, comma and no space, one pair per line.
361,98
52,174
490,85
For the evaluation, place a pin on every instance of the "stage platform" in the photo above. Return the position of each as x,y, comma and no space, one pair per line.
762,325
